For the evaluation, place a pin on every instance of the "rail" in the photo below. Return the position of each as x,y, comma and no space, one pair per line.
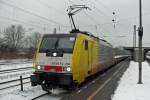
21,83
6,63
39,96
14,70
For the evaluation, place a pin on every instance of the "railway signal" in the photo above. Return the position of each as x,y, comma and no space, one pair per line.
114,19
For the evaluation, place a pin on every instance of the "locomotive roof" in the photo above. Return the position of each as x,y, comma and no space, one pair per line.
74,34
90,34
59,35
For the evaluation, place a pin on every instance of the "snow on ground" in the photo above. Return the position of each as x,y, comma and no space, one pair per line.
14,60
15,75
14,93
27,94
128,88
14,64
119,56
148,57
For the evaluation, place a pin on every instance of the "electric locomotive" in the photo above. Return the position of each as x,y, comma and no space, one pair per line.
64,60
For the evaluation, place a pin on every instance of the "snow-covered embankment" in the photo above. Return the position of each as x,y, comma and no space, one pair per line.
128,88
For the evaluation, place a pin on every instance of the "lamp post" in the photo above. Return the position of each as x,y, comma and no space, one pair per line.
140,33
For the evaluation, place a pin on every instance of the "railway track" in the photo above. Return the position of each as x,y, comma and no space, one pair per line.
13,83
89,83
83,87
16,81
55,94
9,63
70,94
39,96
15,70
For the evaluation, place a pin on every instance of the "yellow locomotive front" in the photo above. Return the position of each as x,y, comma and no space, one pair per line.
66,60
53,61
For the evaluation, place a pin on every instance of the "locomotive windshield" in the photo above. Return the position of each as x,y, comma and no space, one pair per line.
57,43
66,43
48,43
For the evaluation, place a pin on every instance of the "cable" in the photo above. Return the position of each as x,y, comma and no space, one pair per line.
108,9
15,20
92,19
98,10
49,6
38,25
21,21
26,11
90,16
130,18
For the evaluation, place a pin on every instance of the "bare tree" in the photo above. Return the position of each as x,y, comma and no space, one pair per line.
1,42
13,36
32,40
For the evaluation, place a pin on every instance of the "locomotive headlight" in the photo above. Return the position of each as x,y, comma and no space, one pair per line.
68,69
38,67
55,54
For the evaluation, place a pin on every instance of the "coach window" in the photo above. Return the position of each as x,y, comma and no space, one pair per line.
86,45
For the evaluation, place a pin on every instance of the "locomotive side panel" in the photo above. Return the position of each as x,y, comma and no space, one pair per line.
80,60
85,57
105,55
90,56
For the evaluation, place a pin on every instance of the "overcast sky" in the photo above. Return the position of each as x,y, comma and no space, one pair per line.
45,15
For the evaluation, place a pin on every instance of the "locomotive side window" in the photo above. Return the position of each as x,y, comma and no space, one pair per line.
86,45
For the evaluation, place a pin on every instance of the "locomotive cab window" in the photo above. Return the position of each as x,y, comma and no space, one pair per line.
57,43
86,44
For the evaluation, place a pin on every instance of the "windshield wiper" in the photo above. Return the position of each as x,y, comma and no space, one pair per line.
56,44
